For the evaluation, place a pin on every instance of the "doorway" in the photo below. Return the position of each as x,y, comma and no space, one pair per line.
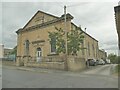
39,54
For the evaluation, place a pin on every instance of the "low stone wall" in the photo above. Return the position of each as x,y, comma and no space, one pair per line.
19,61
73,63
47,65
6,62
76,64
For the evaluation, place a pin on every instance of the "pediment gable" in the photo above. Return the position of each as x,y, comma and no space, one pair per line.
39,18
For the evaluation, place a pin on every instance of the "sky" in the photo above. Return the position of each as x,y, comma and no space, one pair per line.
97,17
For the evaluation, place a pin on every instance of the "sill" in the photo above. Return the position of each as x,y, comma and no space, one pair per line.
53,54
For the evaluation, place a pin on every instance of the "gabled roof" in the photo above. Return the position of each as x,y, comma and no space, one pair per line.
36,14
68,16
85,32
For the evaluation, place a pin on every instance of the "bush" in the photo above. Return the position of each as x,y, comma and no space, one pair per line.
118,69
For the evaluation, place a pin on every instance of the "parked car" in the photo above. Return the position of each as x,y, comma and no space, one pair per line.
92,62
108,61
101,62
97,61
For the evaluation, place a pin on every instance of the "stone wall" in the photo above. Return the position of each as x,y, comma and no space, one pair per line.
10,63
76,64
47,65
19,61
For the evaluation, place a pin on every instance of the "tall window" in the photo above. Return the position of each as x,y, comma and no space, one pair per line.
93,50
27,47
97,52
88,48
53,44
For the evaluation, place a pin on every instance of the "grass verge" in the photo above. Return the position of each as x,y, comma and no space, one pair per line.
117,69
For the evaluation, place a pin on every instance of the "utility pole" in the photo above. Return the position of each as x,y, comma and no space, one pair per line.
65,28
86,44
87,63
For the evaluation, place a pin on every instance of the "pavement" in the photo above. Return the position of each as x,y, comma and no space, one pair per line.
33,69
43,70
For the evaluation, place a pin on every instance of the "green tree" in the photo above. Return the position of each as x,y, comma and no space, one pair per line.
14,50
74,40
118,59
60,42
113,58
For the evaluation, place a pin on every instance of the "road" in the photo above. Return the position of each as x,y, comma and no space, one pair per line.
97,77
0,75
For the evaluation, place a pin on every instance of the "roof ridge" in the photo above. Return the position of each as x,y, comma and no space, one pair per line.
86,32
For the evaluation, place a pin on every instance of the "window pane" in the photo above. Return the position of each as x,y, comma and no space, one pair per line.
53,44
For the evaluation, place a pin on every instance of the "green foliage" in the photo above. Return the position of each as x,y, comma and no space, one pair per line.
118,68
60,42
14,50
114,58
74,40
118,58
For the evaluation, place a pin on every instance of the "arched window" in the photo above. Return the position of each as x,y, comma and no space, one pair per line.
39,52
38,49
27,47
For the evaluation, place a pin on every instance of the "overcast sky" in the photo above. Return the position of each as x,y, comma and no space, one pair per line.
97,17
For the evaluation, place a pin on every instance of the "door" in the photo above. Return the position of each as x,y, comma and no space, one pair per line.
39,54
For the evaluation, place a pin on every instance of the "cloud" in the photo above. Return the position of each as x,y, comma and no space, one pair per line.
1,23
59,1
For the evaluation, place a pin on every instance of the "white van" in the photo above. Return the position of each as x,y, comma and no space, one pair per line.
108,61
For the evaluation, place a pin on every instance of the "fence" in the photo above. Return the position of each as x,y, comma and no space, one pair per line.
11,57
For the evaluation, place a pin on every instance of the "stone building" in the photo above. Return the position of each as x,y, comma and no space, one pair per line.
7,52
1,51
91,45
33,39
102,54
117,18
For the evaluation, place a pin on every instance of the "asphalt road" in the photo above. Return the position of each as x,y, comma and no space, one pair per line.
0,75
97,77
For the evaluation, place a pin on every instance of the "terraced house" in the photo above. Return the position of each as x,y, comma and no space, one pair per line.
102,54
33,39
